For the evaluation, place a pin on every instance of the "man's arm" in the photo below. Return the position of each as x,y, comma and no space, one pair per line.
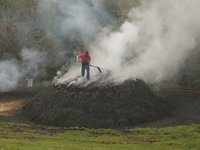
77,57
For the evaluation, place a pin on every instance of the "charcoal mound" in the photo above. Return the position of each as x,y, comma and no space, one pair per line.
97,106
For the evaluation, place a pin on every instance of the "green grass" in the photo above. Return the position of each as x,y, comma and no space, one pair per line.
25,137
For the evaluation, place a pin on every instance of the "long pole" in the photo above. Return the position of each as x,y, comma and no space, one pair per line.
94,67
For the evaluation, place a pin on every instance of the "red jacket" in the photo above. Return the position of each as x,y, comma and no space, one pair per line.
83,57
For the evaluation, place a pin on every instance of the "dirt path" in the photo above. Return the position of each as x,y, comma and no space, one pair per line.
11,104
10,108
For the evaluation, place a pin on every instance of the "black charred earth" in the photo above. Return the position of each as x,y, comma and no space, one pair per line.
97,105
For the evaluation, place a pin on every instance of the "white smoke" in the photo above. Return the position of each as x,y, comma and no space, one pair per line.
73,18
12,72
152,43
9,75
34,61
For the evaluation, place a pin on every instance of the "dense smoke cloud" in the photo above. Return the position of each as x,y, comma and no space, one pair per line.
73,18
152,43
12,72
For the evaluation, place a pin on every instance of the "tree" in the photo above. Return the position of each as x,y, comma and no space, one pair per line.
4,7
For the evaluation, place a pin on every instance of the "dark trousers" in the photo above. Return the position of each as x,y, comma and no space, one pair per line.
87,68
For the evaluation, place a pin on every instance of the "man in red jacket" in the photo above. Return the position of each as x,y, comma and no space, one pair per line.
85,59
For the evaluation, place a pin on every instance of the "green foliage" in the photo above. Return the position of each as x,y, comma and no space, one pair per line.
9,43
24,137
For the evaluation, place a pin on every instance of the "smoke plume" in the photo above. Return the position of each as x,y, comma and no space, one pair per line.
152,44
9,75
12,72
73,18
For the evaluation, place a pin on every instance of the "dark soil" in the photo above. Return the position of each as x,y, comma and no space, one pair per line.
185,110
12,102
20,93
183,106
95,106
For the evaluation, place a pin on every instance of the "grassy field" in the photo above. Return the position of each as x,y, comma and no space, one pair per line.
25,137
